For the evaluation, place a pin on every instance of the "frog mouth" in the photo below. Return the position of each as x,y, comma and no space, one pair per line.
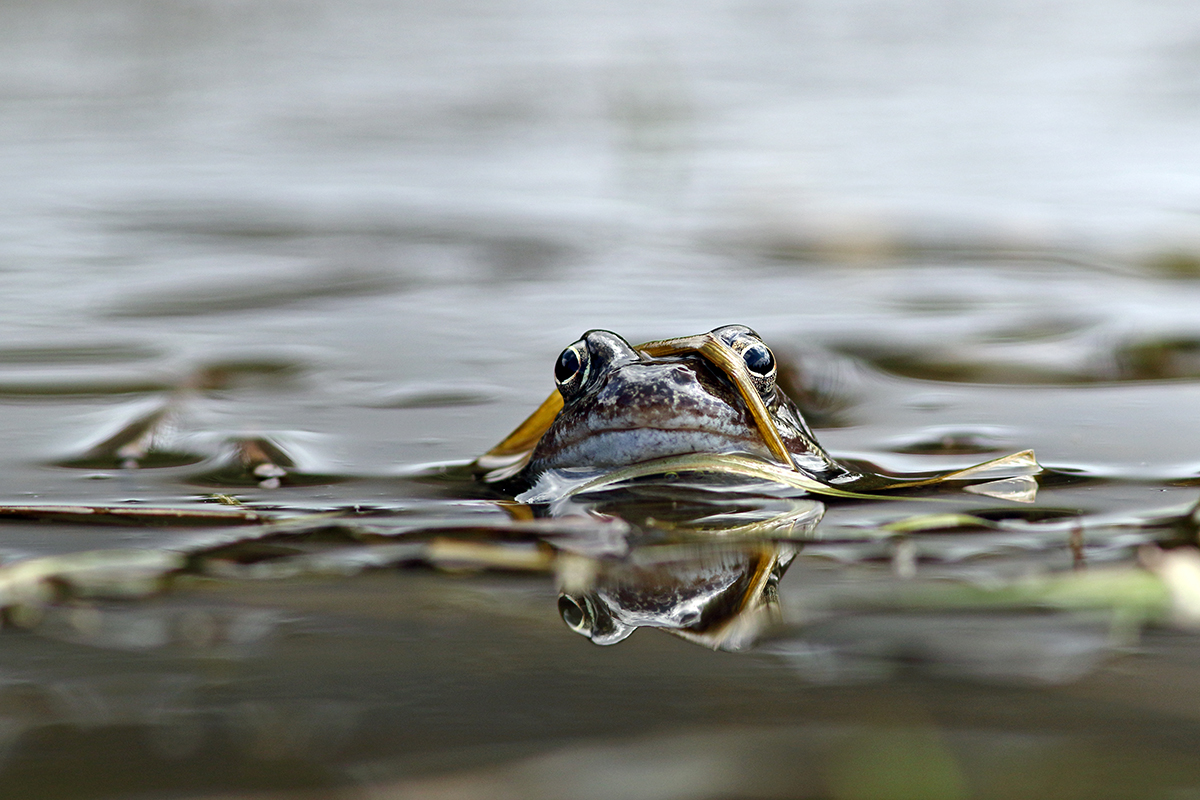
620,445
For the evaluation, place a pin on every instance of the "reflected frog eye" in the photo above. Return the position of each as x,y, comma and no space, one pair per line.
574,614
571,369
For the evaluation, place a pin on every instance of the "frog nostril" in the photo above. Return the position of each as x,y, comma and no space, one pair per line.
679,379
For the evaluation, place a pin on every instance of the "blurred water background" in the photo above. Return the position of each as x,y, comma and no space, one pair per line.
360,232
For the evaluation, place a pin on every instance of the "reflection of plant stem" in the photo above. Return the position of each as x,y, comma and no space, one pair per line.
1076,541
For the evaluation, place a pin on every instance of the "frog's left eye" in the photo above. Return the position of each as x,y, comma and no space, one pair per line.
571,369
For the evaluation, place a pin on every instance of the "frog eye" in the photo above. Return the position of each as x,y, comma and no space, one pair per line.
571,369
759,360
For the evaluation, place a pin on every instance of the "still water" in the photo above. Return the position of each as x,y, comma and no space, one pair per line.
276,259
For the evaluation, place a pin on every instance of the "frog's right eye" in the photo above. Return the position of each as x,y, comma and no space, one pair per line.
571,370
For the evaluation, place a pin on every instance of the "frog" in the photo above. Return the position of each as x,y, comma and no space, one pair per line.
708,404
618,404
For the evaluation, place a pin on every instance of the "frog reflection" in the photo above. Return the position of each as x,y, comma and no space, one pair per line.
716,595
700,561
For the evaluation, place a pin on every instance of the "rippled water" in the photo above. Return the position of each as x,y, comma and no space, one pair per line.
340,243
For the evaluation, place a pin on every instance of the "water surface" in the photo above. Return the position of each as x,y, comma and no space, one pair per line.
344,242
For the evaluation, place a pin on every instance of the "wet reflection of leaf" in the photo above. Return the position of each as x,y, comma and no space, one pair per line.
1021,489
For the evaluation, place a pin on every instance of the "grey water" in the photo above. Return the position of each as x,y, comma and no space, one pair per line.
357,235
